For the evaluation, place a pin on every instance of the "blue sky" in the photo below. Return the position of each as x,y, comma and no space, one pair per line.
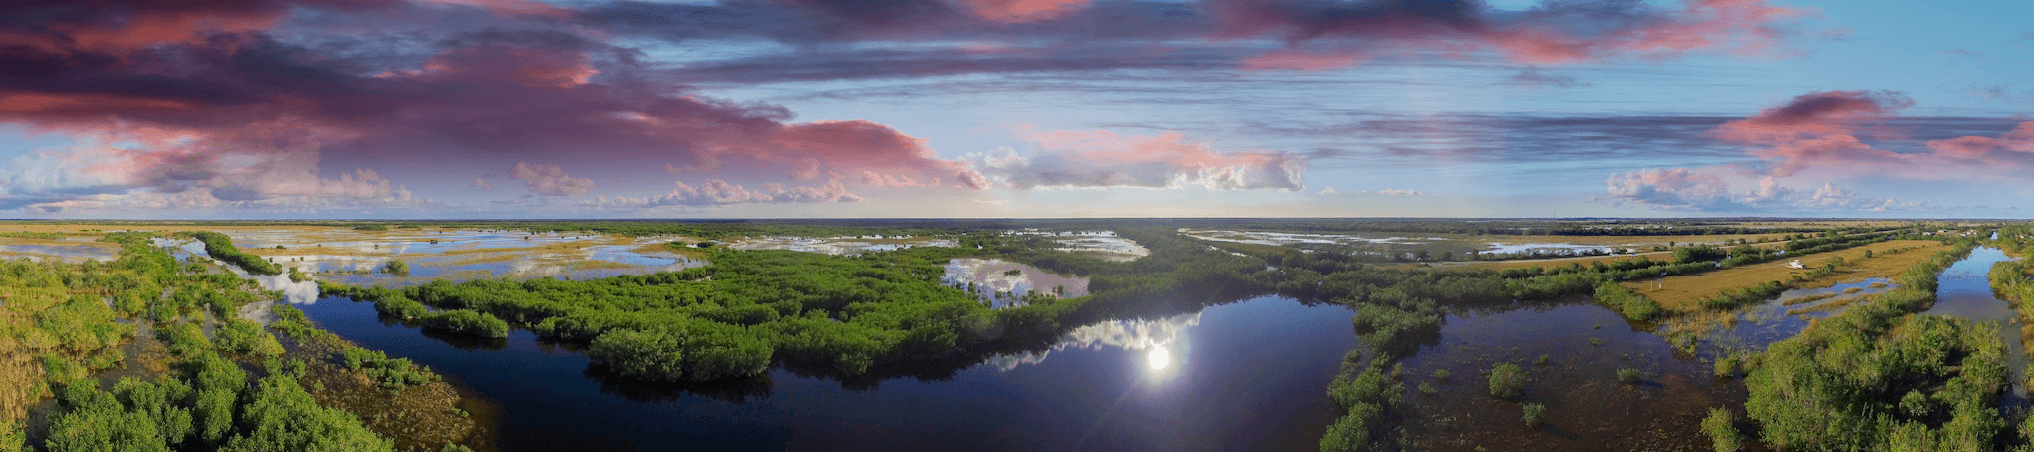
1020,108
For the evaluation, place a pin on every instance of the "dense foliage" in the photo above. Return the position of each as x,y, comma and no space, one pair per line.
1633,305
230,390
466,321
1876,377
847,314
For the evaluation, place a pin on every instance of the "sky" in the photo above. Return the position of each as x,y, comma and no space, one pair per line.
479,109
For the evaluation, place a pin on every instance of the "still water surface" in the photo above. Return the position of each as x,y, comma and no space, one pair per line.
1249,375
1965,290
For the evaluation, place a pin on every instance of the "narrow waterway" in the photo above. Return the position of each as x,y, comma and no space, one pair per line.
1965,290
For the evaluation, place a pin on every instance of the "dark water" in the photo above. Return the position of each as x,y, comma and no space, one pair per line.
1249,375
1965,290
1588,409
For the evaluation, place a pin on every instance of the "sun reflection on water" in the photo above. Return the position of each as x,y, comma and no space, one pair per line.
1158,359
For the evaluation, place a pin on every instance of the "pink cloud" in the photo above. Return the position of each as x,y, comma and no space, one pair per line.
1305,61
716,192
1550,34
2015,149
1687,190
1104,159
1014,11
550,180
1819,129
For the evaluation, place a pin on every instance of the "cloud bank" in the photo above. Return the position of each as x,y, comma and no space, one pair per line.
1091,159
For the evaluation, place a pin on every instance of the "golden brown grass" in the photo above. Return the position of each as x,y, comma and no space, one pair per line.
1829,306
416,417
1644,242
1679,293
653,249
1656,256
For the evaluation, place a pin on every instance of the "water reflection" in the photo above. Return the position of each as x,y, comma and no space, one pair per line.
1103,244
1251,380
461,255
1964,290
1158,359
294,292
64,253
1570,351
1005,283
1781,317
1128,334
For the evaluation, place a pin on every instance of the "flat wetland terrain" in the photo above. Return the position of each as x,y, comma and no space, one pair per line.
1680,293
1132,335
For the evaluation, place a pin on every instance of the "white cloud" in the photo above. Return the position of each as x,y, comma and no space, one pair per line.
1103,159
716,192
1682,189
550,180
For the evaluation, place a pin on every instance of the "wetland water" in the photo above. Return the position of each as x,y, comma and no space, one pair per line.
1965,290
1248,375
1588,409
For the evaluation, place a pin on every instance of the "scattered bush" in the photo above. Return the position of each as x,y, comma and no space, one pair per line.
1630,376
1534,413
1722,429
1507,381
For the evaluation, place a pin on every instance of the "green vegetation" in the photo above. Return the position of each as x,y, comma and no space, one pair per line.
221,247
1839,385
390,373
371,227
1721,426
1507,381
1535,414
206,404
246,337
466,321
394,267
34,235
1629,375
840,314
236,390
1368,397
1632,304
1740,296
